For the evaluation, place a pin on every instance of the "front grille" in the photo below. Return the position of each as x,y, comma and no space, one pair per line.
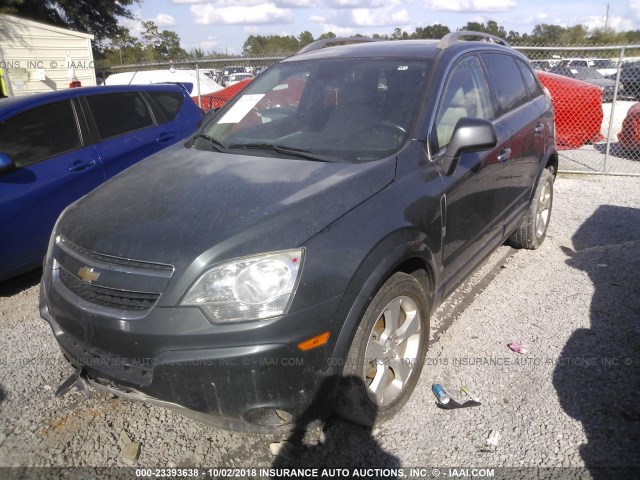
108,297
125,262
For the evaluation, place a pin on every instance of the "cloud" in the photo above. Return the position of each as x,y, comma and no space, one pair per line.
616,23
164,20
469,6
366,17
208,43
359,3
265,13
339,31
317,19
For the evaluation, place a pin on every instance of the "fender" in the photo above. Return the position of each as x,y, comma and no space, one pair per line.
357,300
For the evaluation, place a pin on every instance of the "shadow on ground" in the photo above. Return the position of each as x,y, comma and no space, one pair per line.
598,374
320,441
19,284
617,150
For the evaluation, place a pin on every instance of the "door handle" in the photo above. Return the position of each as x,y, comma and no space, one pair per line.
505,154
166,137
80,165
539,129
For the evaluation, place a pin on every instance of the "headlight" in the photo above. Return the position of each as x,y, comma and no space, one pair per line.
249,288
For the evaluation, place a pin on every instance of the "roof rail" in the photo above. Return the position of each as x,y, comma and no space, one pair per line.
454,37
331,42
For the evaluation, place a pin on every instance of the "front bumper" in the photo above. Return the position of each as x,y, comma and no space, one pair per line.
247,376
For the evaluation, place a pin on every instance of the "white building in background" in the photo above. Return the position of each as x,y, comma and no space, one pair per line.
35,57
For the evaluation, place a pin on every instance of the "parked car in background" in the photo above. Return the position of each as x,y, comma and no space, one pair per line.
288,257
237,77
630,78
604,66
629,135
589,75
544,64
578,109
56,147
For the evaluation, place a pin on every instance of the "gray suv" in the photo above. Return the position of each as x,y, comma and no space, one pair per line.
290,254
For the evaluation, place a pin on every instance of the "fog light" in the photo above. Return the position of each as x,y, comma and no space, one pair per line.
284,415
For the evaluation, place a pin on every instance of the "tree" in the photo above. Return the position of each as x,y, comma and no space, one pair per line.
305,38
124,49
433,32
169,46
399,35
547,34
160,46
101,18
327,35
491,28
272,44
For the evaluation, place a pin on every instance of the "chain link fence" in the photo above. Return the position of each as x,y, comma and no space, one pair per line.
594,90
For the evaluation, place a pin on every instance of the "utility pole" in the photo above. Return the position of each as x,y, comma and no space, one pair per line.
606,19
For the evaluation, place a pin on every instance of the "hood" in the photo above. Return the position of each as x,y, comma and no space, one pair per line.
181,204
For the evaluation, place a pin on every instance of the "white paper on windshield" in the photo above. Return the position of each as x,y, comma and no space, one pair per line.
241,108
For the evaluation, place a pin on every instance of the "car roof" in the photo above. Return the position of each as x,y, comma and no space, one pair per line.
426,49
11,104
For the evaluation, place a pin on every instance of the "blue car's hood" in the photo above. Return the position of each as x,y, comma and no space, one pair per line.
182,204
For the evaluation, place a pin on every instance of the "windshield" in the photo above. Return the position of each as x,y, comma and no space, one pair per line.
345,109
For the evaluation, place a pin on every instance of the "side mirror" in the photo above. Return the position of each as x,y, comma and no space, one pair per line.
469,135
6,164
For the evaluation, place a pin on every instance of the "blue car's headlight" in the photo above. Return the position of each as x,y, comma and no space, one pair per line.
248,288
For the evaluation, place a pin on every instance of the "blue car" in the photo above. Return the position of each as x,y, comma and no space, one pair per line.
57,147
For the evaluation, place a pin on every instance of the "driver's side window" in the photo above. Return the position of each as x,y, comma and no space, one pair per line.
465,95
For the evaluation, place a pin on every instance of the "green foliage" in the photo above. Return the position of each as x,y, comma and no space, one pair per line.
433,32
156,46
101,18
257,45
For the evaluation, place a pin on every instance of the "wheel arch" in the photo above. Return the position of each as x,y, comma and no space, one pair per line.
406,258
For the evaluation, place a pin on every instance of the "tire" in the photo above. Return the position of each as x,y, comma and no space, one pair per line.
533,229
394,330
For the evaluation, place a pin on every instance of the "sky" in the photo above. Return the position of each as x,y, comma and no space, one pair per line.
224,25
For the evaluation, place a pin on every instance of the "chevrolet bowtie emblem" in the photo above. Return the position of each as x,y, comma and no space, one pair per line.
88,275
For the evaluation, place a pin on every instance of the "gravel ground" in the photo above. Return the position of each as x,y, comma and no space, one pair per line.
570,401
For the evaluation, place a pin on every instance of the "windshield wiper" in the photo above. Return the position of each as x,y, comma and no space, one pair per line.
282,149
214,143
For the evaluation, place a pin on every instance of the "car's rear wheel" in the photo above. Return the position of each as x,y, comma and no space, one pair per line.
387,353
533,229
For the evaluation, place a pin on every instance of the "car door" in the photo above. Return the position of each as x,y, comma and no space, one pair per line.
54,166
519,101
126,130
471,193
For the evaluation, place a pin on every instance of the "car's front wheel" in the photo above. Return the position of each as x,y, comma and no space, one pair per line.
387,353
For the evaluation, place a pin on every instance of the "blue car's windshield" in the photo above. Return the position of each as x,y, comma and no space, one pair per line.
352,110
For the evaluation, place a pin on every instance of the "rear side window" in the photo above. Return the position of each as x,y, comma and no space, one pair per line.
119,113
504,76
533,87
40,133
169,103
